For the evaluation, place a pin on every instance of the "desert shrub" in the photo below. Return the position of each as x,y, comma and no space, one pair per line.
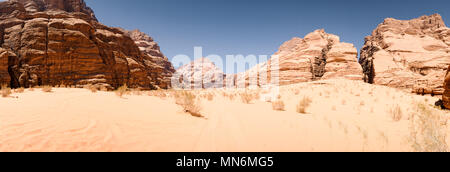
20,90
256,95
396,113
303,105
103,88
427,130
122,90
188,102
246,97
278,105
231,97
91,87
137,91
47,88
158,93
344,102
210,96
6,91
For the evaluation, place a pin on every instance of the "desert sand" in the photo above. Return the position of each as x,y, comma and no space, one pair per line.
343,116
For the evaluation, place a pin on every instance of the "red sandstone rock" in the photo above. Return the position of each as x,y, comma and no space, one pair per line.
53,42
317,56
408,54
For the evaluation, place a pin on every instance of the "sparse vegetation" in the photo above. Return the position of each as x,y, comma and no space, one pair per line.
396,113
246,97
303,105
187,100
122,90
210,96
103,88
427,130
91,87
6,91
137,91
20,90
47,89
278,105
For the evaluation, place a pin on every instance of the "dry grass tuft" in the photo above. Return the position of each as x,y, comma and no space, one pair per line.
91,87
158,93
137,91
20,90
428,130
246,97
47,88
103,88
304,104
210,96
396,113
278,105
122,90
5,91
188,101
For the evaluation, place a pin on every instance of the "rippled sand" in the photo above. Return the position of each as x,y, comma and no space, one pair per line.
344,116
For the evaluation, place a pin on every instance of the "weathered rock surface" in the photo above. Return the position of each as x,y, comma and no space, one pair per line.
446,96
53,42
317,56
412,54
150,48
201,73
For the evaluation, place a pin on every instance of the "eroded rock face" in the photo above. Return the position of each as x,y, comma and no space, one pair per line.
411,54
150,48
446,96
317,56
54,42
199,74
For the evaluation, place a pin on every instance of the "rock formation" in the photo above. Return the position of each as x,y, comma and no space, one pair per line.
199,74
317,56
412,54
446,96
150,48
53,42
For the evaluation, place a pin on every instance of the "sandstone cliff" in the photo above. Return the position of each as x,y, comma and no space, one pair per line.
412,54
150,48
53,42
317,56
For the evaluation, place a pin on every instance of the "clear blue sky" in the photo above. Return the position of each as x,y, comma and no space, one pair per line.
254,26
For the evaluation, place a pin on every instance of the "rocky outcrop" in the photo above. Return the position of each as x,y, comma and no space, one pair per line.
201,73
150,48
53,42
446,96
317,56
412,54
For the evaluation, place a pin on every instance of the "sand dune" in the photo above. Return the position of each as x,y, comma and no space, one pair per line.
343,116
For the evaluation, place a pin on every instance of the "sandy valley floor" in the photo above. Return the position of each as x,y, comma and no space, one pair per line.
343,116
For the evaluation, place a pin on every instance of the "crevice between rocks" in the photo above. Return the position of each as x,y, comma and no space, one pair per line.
366,62
318,66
